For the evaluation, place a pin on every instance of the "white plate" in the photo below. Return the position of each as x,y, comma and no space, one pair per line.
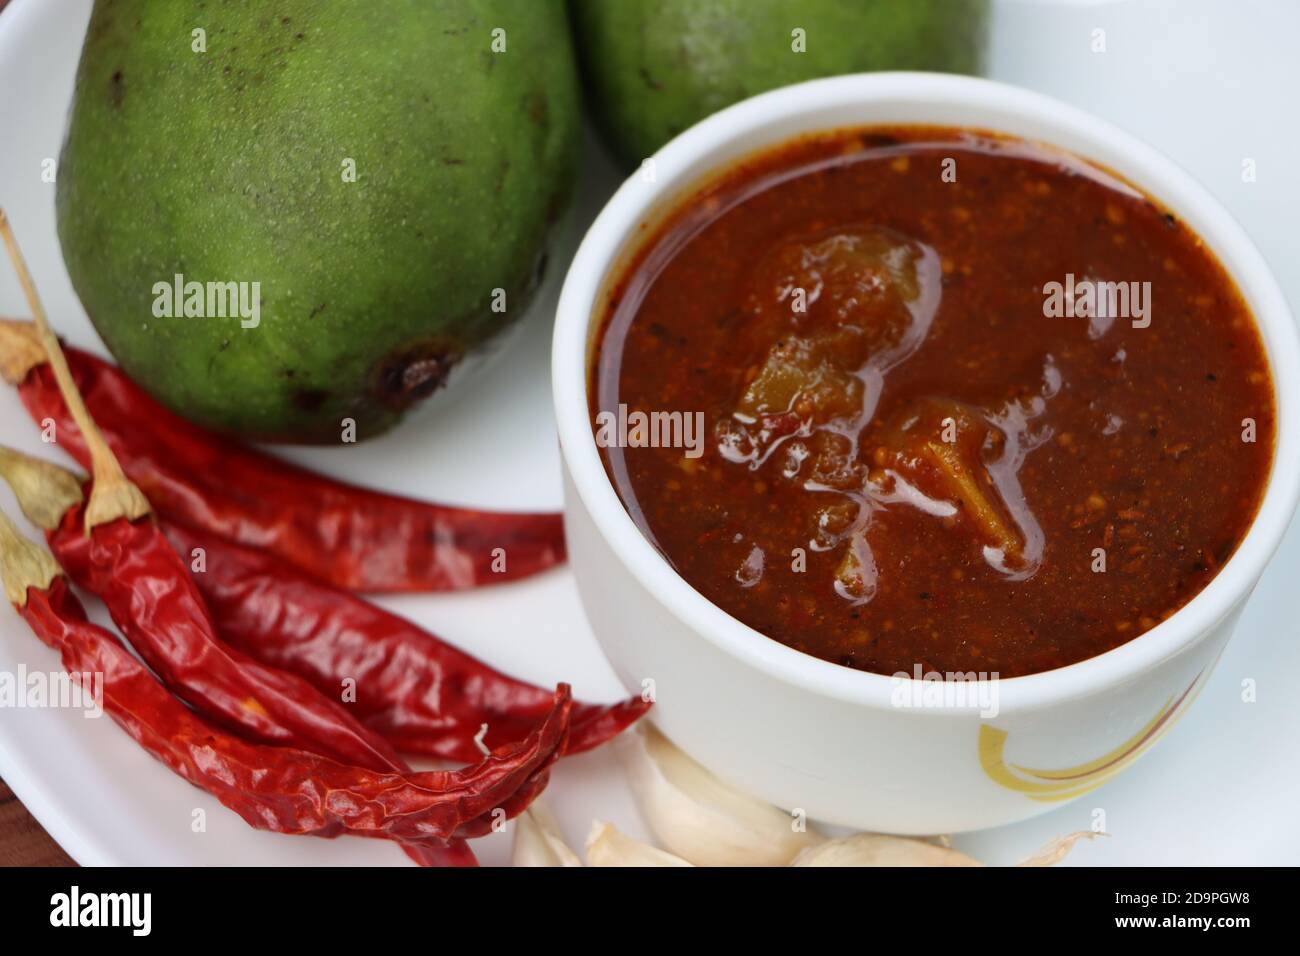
1220,789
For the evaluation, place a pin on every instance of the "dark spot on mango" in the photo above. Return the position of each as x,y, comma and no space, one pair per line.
649,80
413,373
116,88
309,399
538,111
99,26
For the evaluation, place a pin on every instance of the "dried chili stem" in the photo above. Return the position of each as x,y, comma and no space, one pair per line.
44,491
20,350
113,495
23,564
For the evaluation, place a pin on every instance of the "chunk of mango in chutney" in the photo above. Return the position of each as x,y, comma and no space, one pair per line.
800,375
832,314
939,446
856,574
856,276
834,305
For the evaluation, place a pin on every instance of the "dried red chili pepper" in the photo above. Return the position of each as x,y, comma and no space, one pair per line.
352,537
147,590
282,789
272,788
422,694
520,801
146,587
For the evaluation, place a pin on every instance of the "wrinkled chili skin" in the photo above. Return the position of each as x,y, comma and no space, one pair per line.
351,537
279,788
421,694
147,589
131,567
519,801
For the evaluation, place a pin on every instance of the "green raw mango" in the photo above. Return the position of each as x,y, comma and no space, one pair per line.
655,67
387,172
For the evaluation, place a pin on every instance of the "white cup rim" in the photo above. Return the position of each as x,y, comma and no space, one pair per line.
677,169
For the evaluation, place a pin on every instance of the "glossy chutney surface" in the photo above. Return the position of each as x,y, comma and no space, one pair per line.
910,458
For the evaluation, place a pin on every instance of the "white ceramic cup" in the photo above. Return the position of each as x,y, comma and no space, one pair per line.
828,740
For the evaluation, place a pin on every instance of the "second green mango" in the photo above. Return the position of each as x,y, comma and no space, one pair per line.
655,67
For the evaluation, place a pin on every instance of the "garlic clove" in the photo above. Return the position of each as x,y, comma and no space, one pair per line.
696,816
878,849
1058,849
608,847
538,841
